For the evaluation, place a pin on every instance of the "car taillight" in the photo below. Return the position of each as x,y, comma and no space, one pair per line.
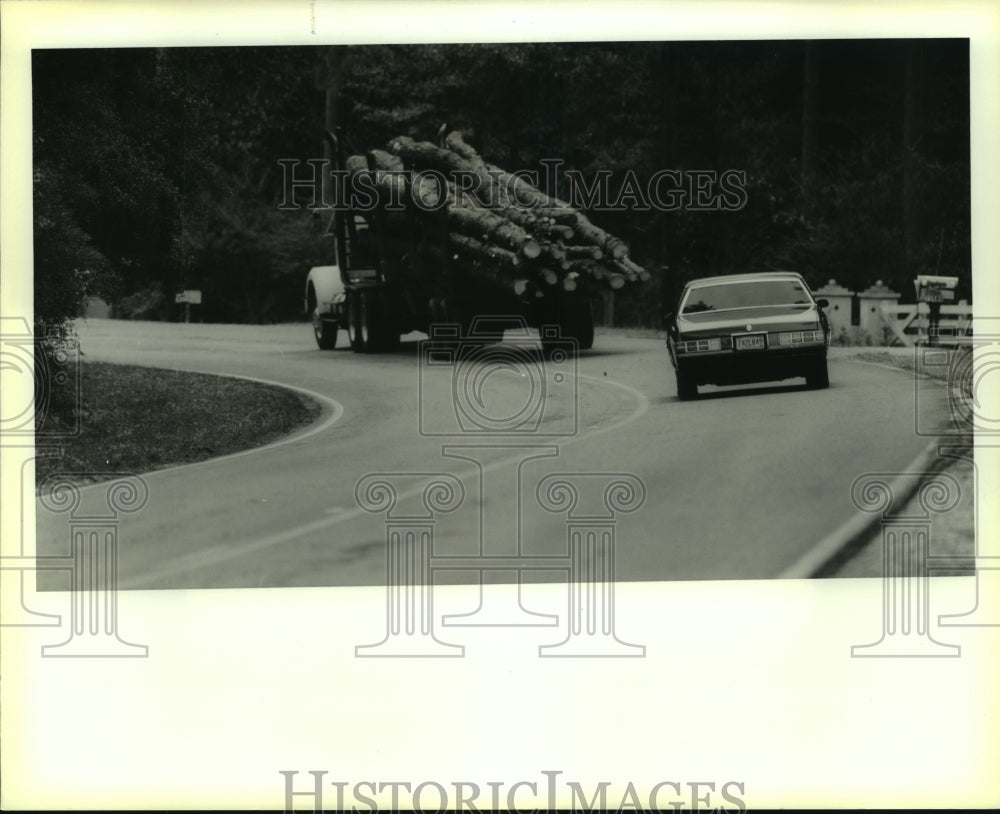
799,337
700,345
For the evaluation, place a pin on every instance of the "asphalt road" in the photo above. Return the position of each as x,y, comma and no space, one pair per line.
738,484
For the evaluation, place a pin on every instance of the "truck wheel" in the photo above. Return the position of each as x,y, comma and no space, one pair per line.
574,317
817,376
686,388
353,328
366,318
580,321
325,331
376,332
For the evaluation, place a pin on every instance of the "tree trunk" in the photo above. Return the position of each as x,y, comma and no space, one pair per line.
810,105
912,116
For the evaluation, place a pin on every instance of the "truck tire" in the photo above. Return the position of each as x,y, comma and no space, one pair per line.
325,331
377,331
573,315
353,315
579,322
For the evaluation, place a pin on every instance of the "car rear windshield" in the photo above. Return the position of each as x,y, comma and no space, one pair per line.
745,295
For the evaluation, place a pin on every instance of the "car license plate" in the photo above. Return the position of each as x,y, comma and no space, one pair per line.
750,342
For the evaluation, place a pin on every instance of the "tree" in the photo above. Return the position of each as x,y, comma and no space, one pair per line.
158,169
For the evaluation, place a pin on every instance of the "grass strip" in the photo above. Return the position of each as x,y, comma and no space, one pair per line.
138,419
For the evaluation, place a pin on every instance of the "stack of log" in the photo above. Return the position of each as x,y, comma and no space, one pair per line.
500,226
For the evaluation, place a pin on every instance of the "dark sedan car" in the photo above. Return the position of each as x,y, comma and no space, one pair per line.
743,328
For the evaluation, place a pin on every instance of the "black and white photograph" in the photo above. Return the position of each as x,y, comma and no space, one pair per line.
404,402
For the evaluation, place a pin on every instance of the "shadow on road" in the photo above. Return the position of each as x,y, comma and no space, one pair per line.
411,348
737,392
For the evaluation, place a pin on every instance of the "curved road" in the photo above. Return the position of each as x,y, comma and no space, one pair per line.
738,484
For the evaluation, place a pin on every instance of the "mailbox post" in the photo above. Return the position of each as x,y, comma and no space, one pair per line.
934,290
188,298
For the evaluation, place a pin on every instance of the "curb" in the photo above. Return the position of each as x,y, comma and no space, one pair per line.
841,544
832,551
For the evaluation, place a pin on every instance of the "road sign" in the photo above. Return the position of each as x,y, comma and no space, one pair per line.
191,297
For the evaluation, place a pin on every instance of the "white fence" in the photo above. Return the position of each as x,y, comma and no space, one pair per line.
909,323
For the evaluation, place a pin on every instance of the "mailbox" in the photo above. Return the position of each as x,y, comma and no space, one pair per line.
189,297
932,288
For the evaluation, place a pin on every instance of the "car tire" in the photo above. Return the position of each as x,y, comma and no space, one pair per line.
817,377
325,331
686,388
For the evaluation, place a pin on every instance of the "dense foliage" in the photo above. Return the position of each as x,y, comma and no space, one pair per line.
157,169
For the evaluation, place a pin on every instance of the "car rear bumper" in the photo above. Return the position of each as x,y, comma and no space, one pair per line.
729,367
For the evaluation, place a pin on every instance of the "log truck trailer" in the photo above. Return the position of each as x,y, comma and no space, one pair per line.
396,273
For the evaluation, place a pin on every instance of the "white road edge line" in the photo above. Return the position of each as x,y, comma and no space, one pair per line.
219,554
813,561
884,366
904,485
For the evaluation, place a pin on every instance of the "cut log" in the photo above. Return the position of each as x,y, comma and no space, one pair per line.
500,189
386,161
481,224
596,236
563,216
475,250
633,271
534,225
590,268
629,266
554,251
584,252
454,142
489,227
422,155
500,227
391,184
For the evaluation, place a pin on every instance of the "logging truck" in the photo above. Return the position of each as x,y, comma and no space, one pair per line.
411,252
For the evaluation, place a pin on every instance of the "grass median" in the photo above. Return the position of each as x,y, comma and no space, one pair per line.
138,419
